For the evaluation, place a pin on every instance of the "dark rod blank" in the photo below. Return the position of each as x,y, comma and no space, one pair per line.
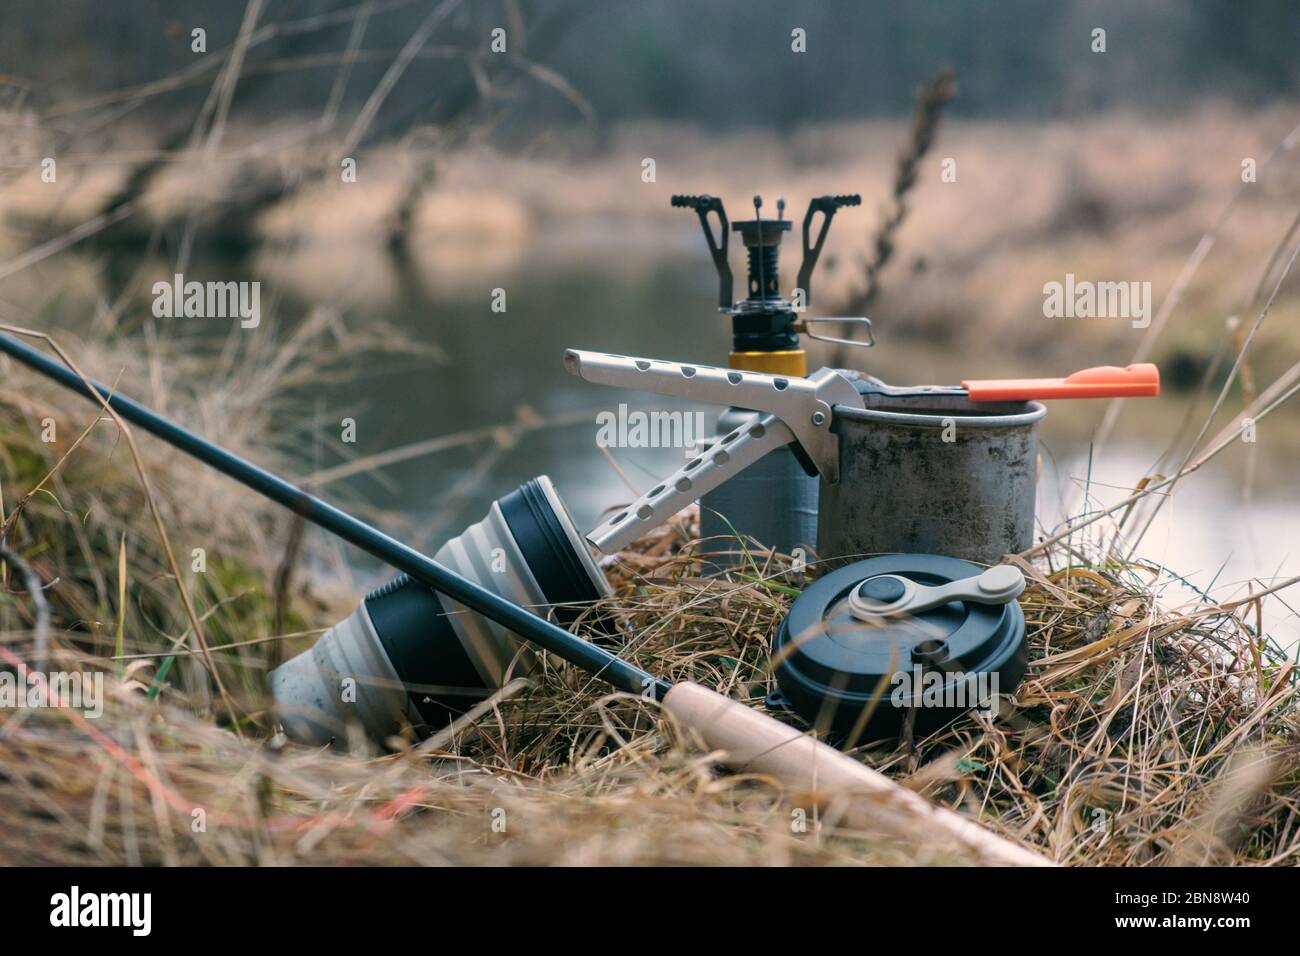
594,660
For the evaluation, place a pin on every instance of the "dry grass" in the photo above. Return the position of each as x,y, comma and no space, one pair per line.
1142,736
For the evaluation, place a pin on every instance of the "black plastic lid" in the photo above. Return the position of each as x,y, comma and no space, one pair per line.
868,680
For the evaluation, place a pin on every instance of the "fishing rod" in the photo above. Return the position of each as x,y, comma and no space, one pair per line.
592,658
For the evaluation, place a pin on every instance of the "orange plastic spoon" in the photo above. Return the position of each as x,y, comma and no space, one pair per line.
1104,381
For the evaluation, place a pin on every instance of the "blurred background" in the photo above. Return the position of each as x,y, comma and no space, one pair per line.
1167,157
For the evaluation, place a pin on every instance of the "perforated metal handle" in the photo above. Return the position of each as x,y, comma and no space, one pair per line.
787,408
804,405
729,455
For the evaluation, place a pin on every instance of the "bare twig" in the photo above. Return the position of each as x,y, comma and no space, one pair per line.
394,73
930,101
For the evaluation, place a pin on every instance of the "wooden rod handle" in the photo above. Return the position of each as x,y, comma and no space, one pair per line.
756,743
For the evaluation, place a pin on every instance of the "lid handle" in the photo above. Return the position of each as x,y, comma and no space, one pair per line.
892,595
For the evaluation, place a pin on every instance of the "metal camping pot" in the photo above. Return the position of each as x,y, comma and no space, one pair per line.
932,474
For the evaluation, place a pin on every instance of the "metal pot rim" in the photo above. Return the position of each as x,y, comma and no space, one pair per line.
1034,412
